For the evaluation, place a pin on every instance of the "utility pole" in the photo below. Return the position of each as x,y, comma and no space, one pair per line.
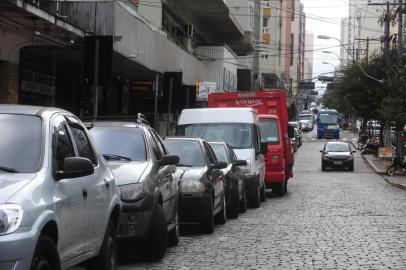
400,30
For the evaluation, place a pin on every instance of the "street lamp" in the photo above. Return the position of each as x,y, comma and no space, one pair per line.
349,53
330,52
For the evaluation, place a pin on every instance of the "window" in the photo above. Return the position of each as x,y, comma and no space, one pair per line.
265,22
63,147
210,153
189,151
82,143
269,130
159,143
155,148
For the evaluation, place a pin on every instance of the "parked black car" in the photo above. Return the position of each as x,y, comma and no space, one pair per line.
337,155
147,183
202,182
234,179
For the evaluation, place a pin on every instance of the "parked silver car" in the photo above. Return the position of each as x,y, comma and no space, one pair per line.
147,182
58,200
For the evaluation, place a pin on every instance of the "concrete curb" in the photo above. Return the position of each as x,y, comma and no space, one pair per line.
373,166
395,184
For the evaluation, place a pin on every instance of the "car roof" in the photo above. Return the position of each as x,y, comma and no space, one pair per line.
28,110
114,124
183,138
343,143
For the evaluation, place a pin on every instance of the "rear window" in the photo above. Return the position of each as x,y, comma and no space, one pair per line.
20,143
335,147
125,142
269,130
189,151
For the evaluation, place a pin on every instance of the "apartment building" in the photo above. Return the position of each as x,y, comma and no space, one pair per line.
144,51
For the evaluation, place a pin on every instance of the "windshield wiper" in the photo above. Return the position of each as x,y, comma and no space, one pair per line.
8,169
115,157
184,165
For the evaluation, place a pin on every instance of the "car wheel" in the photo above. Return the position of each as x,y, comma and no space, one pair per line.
46,255
173,236
285,187
256,199
207,224
243,203
107,258
155,247
279,189
391,170
263,195
233,210
221,217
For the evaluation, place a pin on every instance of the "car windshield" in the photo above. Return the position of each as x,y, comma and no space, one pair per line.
337,147
269,130
20,143
122,143
220,151
305,117
237,135
189,151
328,118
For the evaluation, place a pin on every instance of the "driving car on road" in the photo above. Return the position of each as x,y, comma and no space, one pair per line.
337,155
234,179
58,200
146,181
202,182
307,125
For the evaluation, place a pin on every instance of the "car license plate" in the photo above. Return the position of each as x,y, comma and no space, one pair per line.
338,162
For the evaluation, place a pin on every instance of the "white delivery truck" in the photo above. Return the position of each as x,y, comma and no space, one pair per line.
239,128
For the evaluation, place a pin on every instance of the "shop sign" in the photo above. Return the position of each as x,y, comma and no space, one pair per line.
142,86
203,89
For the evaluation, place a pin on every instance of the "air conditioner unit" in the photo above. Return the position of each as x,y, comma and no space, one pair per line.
190,30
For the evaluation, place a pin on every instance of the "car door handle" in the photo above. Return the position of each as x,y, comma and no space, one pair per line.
84,193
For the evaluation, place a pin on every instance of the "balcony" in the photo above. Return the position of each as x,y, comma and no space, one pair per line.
266,12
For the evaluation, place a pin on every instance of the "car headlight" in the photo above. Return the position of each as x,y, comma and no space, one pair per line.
192,186
247,168
132,192
11,216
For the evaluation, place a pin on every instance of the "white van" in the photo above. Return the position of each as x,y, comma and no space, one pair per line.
239,128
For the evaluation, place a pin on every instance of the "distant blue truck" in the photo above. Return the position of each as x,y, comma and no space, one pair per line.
328,124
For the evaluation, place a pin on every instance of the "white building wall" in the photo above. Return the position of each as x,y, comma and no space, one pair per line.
243,11
221,64
309,42
344,39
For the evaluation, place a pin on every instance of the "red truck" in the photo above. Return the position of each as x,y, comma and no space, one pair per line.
271,105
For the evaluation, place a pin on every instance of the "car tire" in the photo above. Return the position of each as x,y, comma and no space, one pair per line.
255,201
173,236
155,247
243,202
45,255
221,217
234,209
285,186
391,170
279,189
207,224
107,258
263,193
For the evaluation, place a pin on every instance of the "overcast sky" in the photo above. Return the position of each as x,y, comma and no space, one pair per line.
324,18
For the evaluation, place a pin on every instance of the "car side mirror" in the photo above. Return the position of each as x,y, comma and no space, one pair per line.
240,162
291,132
219,165
353,152
168,160
263,148
75,167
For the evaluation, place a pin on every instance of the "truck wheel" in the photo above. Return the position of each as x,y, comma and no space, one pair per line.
256,199
280,189
285,186
155,247
221,217
263,195
207,224
46,255
107,258
173,236
233,210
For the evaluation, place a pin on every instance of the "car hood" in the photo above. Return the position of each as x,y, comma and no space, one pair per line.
127,172
194,173
10,183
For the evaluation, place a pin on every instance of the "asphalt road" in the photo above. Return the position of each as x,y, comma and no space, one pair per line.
328,220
